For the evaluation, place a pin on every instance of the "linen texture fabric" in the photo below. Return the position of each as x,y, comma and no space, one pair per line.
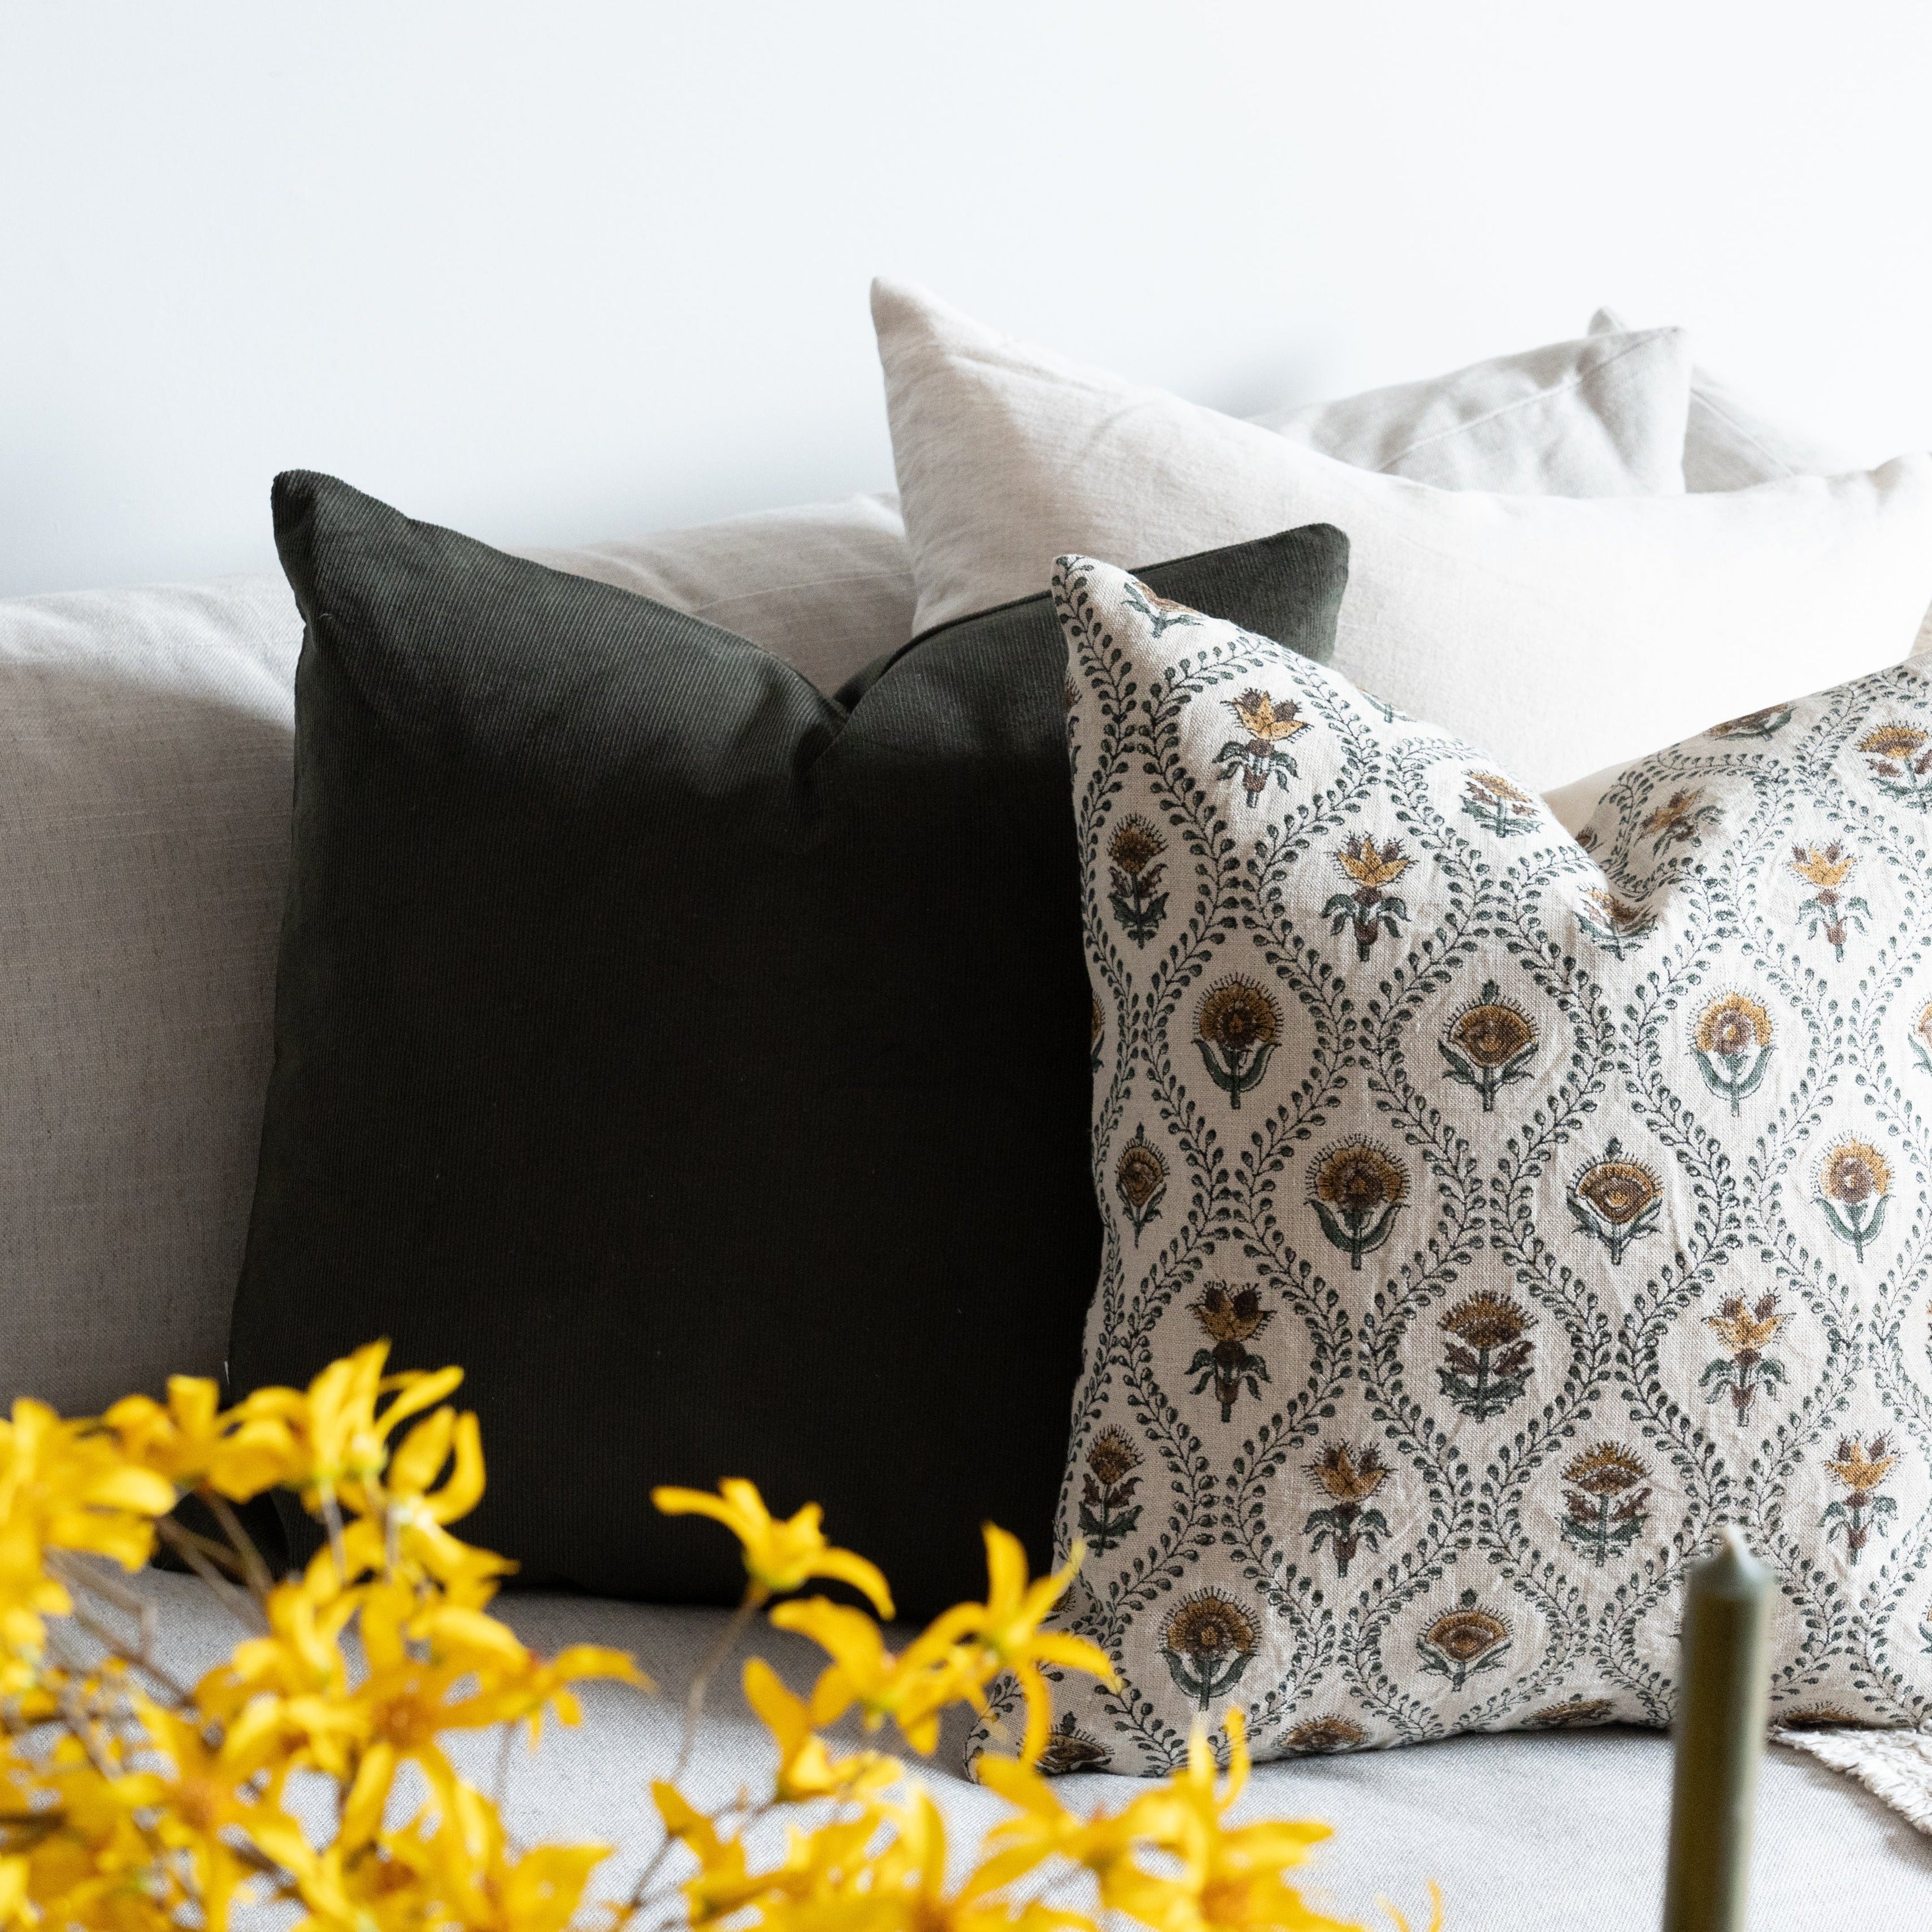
702,1065
1560,635
1490,1213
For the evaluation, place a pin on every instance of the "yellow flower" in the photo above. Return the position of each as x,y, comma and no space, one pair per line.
1860,1469
911,1689
780,1556
1827,868
191,1442
806,1769
1267,720
63,1486
341,1435
1732,1024
1350,1475
1853,1171
201,1804
1007,1624
1220,1878
1369,865
1741,1330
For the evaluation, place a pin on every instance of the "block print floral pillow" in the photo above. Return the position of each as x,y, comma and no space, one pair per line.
1491,1214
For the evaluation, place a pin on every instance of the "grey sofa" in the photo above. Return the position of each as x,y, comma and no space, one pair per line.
144,780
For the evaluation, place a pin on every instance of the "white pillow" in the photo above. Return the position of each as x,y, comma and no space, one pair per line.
1730,443
1602,416
1559,635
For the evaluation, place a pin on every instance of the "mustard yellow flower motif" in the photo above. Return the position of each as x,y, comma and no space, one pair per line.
1825,868
1899,759
1351,1476
1208,1641
1230,1318
1489,1042
1573,1714
1069,1749
1371,908
1463,1640
807,1770
1732,1038
1746,1333
1853,1187
1162,613
1322,1737
1140,1180
1270,723
1615,1200
1765,724
1681,820
1356,1188
780,1556
1487,1353
1497,805
1602,1516
1614,923
1237,1026
1136,845
1860,1468
1108,1511
1921,1037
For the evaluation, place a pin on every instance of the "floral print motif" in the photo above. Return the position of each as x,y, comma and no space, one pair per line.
1899,757
1372,909
1351,1476
1140,1180
1825,868
1231,1318
1134,848
1208,1640
1489,1042
1489,1354
1854,1184
1108,1511
1560,1203
1355,1188
1237,1027
1615,1200
1733,1041
1860,1467
1681,820
1498,805
1746,1333
1464,1640
1602,1516
1259,756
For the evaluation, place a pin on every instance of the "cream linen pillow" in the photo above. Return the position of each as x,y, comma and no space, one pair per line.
1603,416
1729,443
1558,635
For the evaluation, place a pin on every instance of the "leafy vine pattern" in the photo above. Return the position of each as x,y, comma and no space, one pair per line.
1473,1254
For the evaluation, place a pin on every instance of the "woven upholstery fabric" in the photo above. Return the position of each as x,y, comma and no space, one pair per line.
1490,1214
703,1067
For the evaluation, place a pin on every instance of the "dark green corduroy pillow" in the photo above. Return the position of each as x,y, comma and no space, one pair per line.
702,1065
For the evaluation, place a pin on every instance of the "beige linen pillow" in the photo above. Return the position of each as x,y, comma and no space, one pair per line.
1602,416
1560,635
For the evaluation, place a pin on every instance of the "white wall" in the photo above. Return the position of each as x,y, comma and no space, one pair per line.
551,272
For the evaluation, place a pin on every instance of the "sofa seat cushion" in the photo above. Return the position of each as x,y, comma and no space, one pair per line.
1523,1831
